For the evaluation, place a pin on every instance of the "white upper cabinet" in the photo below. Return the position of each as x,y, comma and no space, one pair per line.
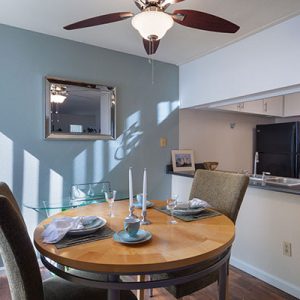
273,106
244,107
231,107
270,107
253,107
292,105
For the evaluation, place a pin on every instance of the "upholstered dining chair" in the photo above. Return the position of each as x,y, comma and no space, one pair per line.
224,192
21,265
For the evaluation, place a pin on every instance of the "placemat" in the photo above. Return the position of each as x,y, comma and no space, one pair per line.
103,233
207,213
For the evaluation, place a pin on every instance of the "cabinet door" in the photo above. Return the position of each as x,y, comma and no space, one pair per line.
292,105
232,107
253,107
273,106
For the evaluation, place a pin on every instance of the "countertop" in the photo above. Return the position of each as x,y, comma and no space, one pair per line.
258,185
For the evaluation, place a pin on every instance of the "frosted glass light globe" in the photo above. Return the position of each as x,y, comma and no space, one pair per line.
152,23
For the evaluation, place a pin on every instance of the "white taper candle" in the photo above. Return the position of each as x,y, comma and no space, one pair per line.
144,189
130,187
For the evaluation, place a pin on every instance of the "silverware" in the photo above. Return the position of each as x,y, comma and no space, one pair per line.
85,239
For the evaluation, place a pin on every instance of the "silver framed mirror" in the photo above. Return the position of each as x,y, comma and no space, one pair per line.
79,110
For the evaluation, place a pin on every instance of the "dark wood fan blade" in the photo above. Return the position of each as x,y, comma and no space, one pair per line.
104,19
173,1
204,21
167,3
150,46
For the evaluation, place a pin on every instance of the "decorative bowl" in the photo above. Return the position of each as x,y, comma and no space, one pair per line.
210,165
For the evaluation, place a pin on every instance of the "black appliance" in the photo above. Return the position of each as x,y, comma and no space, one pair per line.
278,149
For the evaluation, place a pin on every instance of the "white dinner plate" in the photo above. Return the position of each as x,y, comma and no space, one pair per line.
188,211
89,228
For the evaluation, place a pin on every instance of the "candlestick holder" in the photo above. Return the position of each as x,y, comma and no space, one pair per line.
144,220
131,213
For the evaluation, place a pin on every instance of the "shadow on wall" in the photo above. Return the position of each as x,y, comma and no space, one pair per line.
130,139
36,177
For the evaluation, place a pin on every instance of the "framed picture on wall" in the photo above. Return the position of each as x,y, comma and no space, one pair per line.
183,160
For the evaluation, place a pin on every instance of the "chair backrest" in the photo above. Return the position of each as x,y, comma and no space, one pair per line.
6,192
94,190
17,252
223,191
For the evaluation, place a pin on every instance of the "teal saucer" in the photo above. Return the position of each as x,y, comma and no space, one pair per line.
140,237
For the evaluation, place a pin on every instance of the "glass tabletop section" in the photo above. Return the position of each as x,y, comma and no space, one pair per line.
86,191
68,202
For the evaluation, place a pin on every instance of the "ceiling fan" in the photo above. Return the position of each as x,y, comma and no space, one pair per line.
153,21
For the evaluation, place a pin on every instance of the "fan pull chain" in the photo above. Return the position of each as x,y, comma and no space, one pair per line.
150,60
152,71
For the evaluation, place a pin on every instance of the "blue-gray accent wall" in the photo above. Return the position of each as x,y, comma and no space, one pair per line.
39,169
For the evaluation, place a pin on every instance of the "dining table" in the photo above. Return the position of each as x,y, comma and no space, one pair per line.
172,247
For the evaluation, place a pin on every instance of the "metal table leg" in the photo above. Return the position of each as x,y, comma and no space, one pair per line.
113,294
140,293
223,281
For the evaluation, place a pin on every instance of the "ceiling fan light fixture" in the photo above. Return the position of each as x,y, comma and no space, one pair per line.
152,23
58,93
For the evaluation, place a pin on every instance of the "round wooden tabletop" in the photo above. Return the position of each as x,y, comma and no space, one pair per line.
171,246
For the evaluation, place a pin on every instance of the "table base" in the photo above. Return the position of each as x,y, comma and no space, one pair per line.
114,285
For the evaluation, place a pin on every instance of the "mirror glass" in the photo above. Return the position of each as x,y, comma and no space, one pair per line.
79,110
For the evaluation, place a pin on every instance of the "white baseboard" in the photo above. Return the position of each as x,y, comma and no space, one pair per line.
266,277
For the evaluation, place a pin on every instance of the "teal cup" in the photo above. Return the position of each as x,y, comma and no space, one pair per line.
139,198
132,226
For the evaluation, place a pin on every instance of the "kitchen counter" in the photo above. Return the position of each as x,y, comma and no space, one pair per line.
169,170
259,185
291,190
184,174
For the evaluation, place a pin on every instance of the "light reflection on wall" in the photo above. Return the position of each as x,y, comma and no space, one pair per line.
30,189
6,154
99,161
55,188
80,167
112,162
133,119
164,109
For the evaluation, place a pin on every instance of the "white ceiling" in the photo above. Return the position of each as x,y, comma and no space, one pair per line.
180,45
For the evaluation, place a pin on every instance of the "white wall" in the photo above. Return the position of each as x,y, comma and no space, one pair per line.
181,186
265,61
265,220
209,134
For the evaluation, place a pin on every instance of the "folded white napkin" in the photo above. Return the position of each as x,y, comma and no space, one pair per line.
59,227
197,203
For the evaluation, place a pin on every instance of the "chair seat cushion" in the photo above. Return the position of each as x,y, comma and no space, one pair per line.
59,289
